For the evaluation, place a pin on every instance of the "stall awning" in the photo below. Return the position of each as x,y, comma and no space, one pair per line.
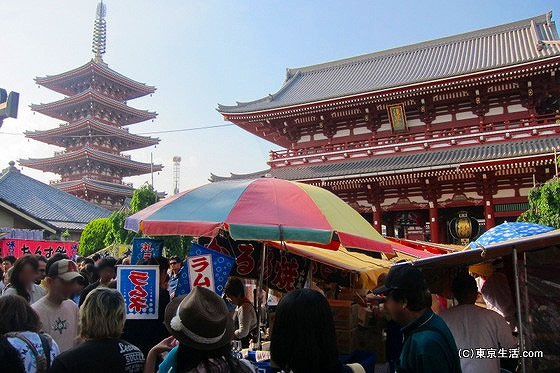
369,268
478,255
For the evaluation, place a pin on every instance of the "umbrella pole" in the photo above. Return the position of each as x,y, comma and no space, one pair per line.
259,291
310,275
518,306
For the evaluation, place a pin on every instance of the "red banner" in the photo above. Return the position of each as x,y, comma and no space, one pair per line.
48,249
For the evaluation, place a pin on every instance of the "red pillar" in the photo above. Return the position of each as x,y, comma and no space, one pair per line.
377,217
489,213
434,222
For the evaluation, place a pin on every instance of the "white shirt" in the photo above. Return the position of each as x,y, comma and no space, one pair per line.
244,319
36,293
476,327
59,321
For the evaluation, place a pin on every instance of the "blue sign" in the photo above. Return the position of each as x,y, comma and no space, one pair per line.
145,248
222,266
139,286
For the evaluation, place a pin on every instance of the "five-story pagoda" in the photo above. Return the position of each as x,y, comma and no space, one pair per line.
96,113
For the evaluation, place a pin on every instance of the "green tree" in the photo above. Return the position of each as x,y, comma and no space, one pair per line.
142,198
117,233
65,236
93,236
544,204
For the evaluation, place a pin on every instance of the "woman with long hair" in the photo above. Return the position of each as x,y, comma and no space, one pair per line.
201,325
22,279
303,338
102,318
21,325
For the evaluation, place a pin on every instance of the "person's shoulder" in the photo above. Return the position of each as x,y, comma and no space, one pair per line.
9,290
39,305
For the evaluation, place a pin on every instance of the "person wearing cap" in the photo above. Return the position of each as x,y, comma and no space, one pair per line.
476,327
200,323
58,314
428,343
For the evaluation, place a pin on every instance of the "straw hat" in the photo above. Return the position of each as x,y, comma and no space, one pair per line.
199,320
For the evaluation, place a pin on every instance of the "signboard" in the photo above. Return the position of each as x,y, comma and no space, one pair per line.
114,251
139,286
197,270
397,117
48,249
283,271
145,248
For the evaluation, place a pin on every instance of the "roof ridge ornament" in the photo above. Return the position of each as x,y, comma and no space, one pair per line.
99,33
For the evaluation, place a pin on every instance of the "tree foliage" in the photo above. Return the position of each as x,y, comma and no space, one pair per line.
117,233
93,236
544,204
142,198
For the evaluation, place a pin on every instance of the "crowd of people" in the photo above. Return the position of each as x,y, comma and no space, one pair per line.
65,316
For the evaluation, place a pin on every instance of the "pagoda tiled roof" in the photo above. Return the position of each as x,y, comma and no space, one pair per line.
56,82
135,167
96,185
46,203
458,56
55,135
412,162
56,109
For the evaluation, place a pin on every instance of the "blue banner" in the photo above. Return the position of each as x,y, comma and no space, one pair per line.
139,286
221,265
145,248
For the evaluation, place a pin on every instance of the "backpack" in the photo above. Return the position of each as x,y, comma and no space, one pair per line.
44,359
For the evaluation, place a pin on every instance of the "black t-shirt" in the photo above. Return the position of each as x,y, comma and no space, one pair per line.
145,334
100,355
88,289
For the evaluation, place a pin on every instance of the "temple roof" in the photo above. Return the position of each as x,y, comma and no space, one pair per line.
87,72
55,136
133,167
479,51
417,161
96,185
59,109
46,203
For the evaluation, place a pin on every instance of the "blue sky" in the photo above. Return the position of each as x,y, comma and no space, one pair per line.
201,53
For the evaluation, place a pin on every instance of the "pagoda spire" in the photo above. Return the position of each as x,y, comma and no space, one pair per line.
99,33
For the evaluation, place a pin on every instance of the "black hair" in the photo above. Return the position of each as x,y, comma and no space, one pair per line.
10,361
96,257
160,261
92,272
188,359
235,287
108,262
303,335
15,281
416,300
464,285
176,258
84,280
41,258
53,260
10,258
88,261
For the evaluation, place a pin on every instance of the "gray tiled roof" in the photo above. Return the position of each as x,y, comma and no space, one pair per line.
46,203
395,163
472,52
118,188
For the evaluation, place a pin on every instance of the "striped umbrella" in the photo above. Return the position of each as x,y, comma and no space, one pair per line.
264,209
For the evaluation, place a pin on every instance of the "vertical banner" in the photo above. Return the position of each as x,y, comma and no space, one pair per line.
201,272
139,286
222,265
204,267
145,248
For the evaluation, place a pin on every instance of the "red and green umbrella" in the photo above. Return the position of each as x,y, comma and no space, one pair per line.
264,209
